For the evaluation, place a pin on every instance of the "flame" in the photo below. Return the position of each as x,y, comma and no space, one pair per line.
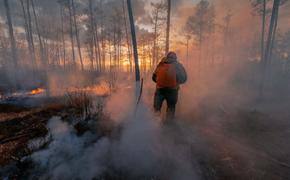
102,89
37,91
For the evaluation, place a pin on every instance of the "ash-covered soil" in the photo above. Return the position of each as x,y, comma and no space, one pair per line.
19,125
232,143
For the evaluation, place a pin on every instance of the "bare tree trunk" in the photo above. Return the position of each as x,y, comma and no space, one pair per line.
263,31
134,41
97,46
91,54
26,28
58,52
200,51
77,34
118,50
30,31
97,51
119,47
268,51
3,53
62,37
44,58
45,50
127,36
11,34
93,44
110,52
168,26
3,48
144,57
95,37
103,44
43,61
274,37
71,35
155,40
115,45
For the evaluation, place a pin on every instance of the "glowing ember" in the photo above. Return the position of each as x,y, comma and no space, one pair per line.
37,91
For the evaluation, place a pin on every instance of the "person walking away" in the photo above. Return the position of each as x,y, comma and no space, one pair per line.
168,76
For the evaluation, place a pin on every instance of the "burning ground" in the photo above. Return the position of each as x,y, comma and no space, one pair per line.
130,144
93,135
67,102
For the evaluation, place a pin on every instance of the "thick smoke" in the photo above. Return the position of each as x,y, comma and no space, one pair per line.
143,149
67,156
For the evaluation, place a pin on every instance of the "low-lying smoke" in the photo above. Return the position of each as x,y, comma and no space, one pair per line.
143,149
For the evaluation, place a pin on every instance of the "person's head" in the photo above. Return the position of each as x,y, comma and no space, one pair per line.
171,55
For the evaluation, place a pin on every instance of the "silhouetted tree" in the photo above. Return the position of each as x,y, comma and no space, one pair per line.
76,31
269,46
158,18
134,41
11,34
200,25
168,26
260,8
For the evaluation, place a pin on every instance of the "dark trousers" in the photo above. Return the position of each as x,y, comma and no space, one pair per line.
171,97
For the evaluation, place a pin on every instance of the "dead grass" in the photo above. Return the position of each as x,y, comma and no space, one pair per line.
81,101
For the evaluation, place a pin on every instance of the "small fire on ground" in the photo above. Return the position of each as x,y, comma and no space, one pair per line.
37,91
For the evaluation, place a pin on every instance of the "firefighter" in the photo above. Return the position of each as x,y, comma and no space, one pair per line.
168,75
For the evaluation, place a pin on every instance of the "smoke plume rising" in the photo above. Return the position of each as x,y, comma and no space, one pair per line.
143,149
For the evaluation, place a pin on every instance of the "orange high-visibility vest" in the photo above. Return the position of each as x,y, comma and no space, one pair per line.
166,76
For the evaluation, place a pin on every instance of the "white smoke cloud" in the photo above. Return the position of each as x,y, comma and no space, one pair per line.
67,157
143,149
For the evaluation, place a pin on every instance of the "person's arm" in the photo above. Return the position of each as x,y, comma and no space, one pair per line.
181,74
154,75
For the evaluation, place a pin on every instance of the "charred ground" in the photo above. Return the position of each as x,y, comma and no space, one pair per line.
227,143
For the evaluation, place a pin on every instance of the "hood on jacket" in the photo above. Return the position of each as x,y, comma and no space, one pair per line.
170,58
